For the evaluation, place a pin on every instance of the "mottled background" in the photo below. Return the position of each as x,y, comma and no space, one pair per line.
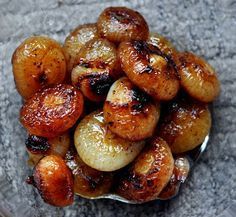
206,27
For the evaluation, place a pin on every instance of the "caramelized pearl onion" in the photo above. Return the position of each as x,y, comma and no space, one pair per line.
145,178
100,54
98,66
197,77
94,83
38,147
99,148
76,40
180,174
148,68
129,112
54,181
119,24
185,125
88,182
38,62
53,111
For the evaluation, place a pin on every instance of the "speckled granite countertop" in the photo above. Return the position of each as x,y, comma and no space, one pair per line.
206,27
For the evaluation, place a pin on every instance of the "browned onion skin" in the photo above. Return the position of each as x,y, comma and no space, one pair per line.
53,111
100,53
37,63
76,40
98,65
54,181
122,24
129,112
94,83
197,77
148,174
38,147
161,43
180,173
185,125
88,182
148,68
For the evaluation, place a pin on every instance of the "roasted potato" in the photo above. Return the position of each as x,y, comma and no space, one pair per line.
38,147
129,112
148,68
88,182
185,125
37,63
76,40
99,148
53,111
146,177
54,181
197,77
122,24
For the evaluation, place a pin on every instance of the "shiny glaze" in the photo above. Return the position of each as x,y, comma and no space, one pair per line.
180,174
99,148
54,181
122,24
197,77
38,147
76,40
162,43
145,178
99,53
185,125
38,62
129,112
150,69
52,111
88,182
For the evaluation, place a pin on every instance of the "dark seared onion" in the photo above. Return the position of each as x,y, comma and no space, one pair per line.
119,24
52,111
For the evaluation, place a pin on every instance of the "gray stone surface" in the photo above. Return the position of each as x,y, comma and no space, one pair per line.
206,27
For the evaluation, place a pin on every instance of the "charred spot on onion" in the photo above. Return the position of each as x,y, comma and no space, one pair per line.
100,83
37,144
140,100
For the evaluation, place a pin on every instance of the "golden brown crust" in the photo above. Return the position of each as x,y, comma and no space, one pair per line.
136,117
148,68
122,24
185,125
76,40
197,77
148,174
54,181
38,62
88,182
52,111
